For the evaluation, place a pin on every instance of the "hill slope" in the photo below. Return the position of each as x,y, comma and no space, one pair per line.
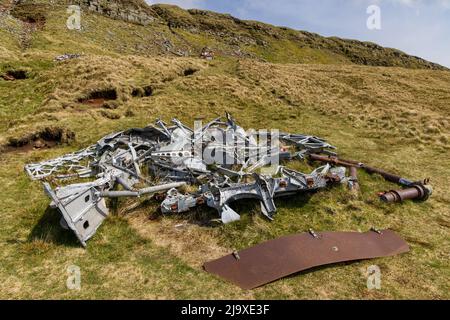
392,117
172,30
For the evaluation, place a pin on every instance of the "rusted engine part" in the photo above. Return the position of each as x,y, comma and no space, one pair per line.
275,259
419,190
264,189
168,152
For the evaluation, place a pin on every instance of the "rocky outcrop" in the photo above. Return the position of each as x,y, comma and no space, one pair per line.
134,11
130,11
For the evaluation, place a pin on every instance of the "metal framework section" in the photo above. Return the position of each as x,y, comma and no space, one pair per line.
72,162
82,211
275,259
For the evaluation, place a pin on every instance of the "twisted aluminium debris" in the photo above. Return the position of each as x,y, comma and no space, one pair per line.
116,165
168,154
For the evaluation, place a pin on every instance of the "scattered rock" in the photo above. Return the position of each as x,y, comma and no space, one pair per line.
67,56
167,45
121,10
39,144
207,54
8,77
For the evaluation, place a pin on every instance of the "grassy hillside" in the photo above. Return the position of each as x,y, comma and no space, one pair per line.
179,32
397,118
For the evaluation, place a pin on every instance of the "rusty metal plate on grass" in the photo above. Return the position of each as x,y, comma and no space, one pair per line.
275,259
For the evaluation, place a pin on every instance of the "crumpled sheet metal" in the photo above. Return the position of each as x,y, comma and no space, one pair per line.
168,157
275,259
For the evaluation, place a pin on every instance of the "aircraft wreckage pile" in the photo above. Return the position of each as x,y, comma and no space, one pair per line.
160,159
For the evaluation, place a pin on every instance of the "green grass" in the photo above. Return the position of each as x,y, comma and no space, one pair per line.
282,51
15,100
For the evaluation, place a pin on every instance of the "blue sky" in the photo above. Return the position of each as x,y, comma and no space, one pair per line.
418,27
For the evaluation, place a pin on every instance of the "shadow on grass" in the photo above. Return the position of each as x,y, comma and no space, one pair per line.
246,208
49,230
295,201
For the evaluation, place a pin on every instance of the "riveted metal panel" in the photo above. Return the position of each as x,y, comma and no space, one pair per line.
275,259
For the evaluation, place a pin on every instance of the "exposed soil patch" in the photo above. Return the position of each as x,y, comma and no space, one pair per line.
33,17
146,91
97,102
31,145
31,13
189,72
44,139
98,98
11,75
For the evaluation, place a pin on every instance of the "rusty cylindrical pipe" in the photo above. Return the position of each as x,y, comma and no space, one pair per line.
332,160
353,181
388,176
352,163
417,191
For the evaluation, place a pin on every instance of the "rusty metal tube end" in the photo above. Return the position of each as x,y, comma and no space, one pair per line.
416,192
